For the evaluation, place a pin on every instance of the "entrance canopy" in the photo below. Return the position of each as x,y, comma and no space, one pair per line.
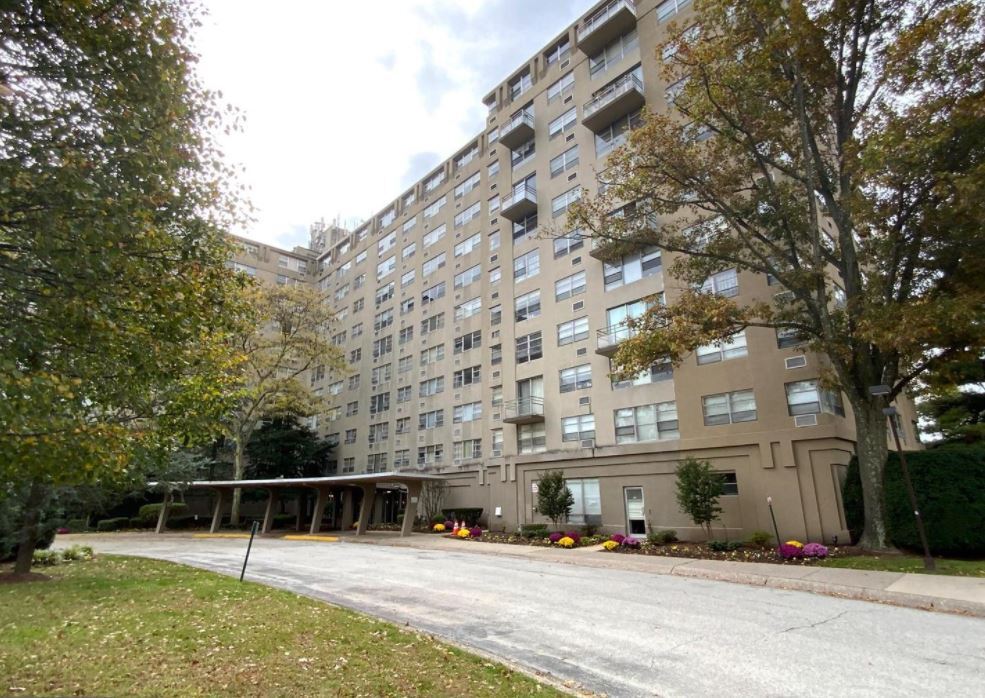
341,484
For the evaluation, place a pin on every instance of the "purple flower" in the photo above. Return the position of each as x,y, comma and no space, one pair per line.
475,532
449,525
788,552
575,536
815,550
555,537
631,542
617,537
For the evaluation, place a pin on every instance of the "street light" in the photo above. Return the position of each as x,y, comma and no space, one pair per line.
891,412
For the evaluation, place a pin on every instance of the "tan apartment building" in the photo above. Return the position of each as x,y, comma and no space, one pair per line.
480,345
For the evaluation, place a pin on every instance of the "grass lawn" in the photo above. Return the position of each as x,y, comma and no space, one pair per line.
118,626
908,563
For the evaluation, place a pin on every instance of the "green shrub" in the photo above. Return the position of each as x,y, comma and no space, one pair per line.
112,524
760,538
137,522
438,519
150,512
46,558
533,530
724,546
662,537
77,552
470,514
76,525
950,489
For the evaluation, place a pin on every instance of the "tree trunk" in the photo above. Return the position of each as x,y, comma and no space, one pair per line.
871,450
29,529
239,471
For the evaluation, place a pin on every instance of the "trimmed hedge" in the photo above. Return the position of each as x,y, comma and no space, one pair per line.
470,514
150,512
950,489
113,524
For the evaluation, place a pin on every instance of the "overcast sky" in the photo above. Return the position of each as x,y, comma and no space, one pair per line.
348,103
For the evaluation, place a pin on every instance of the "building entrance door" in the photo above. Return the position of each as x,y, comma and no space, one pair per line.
635,517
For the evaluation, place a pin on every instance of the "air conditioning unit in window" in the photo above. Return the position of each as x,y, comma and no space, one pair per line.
588,443
585,400
457,461
497,453
805,420
795,361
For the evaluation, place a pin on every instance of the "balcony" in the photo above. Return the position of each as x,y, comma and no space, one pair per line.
615,100
521,202
518,131
609,338
612,20
523,410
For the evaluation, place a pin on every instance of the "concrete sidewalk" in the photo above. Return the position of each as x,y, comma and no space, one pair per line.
930,592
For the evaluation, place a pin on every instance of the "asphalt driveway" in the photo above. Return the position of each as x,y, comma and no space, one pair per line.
617,632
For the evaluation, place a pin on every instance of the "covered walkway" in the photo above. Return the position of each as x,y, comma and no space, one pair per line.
341,487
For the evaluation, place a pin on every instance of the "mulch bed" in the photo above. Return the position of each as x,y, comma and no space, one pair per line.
516,539
751,553
11,578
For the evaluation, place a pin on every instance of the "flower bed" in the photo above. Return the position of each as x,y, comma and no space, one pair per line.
567,539
790,552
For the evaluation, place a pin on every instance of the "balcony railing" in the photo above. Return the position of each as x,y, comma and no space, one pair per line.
523,410
610,21
521,202
609,338
615,100
517,131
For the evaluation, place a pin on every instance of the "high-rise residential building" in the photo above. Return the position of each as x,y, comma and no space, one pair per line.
481,346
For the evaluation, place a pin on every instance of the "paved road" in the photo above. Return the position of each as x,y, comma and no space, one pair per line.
617,632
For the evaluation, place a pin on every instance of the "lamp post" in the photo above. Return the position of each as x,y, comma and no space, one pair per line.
891,413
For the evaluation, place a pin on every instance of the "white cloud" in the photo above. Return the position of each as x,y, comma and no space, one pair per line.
339,98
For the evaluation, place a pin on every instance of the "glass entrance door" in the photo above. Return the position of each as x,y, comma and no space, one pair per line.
635,516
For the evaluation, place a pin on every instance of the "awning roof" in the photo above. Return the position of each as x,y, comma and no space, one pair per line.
336,480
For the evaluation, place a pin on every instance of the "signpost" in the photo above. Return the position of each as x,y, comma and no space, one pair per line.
253,532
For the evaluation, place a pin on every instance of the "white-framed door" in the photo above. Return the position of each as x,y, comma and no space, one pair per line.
635,511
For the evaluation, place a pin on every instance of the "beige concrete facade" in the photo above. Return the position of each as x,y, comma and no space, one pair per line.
453,263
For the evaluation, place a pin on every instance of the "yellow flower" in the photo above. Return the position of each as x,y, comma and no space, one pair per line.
566,542
438,528
463,533
795,543
610,545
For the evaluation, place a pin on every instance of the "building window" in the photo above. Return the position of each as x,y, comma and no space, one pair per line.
616,133
496,354
497,443
401,458
433,323
469,276
587,506
379,432
385,293
432,265
382,346
434,236
433,354
646,423
408,278
565,161
386,267
467,245
579,427
560,204
407,306
572,331
432,294
432,386
613,53
493,169
468,412
352,409
724,283
358,305
529,347
495,315
379,403
733,348
468,214
569,286
788,337
526,265
434,181
632,268
350,436
355,355
659,371
669,8
729,408
522,154
497,395
431,420
469,308
406,334
430,455
466,157
348,465
730,484
495,276
470,449
527,306
383,319
531,438
805,397
525,226
576,378
467,376
357,330
472,340
520,84
381,374
403,394
558,52
567,244
403,425
561,87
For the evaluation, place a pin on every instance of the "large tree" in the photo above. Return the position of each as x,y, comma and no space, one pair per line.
289,339
836,148
954,401
117,307
284,447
